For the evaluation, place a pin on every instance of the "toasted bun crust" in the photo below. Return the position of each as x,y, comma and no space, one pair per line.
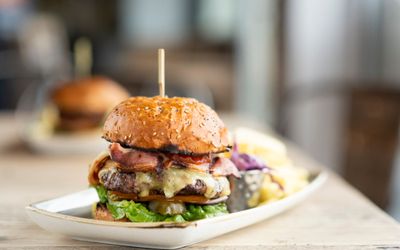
95,94
174,125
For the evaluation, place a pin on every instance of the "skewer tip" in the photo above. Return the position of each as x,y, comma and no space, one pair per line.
161,71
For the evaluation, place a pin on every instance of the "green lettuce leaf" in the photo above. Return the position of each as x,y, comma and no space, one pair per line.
116,211
175,218
139,212
198,212
102,193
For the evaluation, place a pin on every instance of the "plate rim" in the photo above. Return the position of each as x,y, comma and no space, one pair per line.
321,177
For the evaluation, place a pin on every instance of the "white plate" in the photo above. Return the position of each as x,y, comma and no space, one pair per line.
70,215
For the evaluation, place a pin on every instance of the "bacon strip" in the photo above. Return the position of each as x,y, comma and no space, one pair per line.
134,160
224,167
131,160
186,159
202,168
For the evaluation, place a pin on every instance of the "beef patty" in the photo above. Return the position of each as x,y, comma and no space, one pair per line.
126,182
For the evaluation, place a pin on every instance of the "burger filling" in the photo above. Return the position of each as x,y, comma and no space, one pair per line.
153,211
161,186
169,183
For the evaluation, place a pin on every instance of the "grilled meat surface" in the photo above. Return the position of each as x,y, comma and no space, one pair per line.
115,180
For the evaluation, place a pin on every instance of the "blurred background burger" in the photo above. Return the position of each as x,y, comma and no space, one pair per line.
82,104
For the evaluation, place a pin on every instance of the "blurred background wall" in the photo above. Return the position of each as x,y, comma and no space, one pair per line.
323,73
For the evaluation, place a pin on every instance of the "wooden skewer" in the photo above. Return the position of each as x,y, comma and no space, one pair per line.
161,72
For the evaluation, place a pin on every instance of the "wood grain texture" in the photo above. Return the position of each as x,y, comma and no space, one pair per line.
336,217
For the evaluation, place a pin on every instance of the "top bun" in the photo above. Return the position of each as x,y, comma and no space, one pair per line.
95,94
174,125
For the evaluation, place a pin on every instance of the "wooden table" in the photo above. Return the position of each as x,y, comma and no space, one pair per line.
336,217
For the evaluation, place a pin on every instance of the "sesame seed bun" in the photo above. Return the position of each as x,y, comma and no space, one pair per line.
173,125
95,94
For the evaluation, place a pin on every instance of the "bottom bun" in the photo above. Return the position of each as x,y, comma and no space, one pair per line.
100,212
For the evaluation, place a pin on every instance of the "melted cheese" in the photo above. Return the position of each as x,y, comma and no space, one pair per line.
174,180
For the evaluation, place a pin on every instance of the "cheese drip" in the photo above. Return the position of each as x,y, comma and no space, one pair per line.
173,180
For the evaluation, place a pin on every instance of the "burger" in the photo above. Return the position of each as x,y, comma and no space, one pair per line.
82,104
164,162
